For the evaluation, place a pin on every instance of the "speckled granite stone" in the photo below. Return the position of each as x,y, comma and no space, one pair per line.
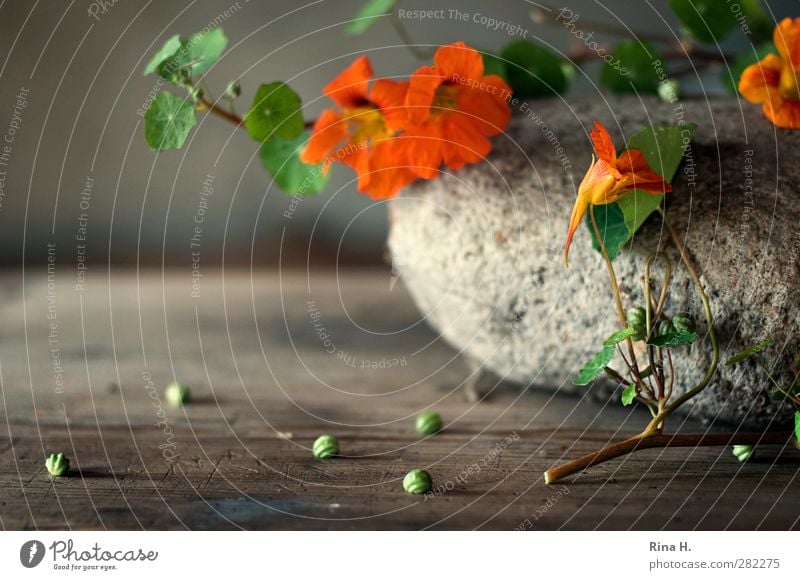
481,250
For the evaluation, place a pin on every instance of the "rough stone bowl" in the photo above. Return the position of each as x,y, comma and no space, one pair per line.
481,250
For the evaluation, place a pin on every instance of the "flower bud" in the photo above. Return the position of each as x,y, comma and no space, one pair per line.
57,464
325,446
417,481
428,423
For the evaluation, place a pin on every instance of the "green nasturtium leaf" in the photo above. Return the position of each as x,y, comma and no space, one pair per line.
167,122
797,425
633,69
595,366
748,352
611,223
670,339
281,157
619,336
760,25
195,55
663,147
707,20
730,77
629,395
170,47
493,65
276,110
532,70
368,14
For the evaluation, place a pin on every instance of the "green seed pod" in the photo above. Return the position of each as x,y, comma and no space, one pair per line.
417,481
743,452
57,464
684,322
325,446
637,319
665,327
669,90
177,394
428,423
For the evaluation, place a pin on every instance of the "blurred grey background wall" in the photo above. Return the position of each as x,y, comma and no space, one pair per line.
74,163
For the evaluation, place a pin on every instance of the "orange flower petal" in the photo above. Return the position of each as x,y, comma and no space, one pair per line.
463,143
599,183
759,81
603,145
578,211
459,60
422,146
390,97
421,90
783,113
386,176
328,131
349,89
787,40
488,107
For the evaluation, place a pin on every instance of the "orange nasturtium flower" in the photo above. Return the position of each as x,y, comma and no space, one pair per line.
610,177
357,133
775,80
452,107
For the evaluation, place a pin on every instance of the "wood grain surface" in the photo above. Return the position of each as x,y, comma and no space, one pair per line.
274,360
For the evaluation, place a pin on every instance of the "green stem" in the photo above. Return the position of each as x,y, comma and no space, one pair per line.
690,267
634,367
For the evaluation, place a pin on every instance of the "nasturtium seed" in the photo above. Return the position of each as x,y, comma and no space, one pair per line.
666,327
325,446
684,322
177,394
637,321
743,452
57,464
428,423
417,481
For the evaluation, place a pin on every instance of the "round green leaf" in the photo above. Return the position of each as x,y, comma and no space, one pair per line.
281,157
707,20
532,70
757,22
634,68
167,122
493,65
166,51
195,55
275,110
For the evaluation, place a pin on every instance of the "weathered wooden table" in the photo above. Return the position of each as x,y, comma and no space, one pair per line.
275,359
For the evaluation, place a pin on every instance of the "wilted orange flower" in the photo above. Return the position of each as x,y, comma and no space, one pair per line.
358,132
610,177
451,110
773,81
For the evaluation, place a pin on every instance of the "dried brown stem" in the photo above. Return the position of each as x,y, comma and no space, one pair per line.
653,440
